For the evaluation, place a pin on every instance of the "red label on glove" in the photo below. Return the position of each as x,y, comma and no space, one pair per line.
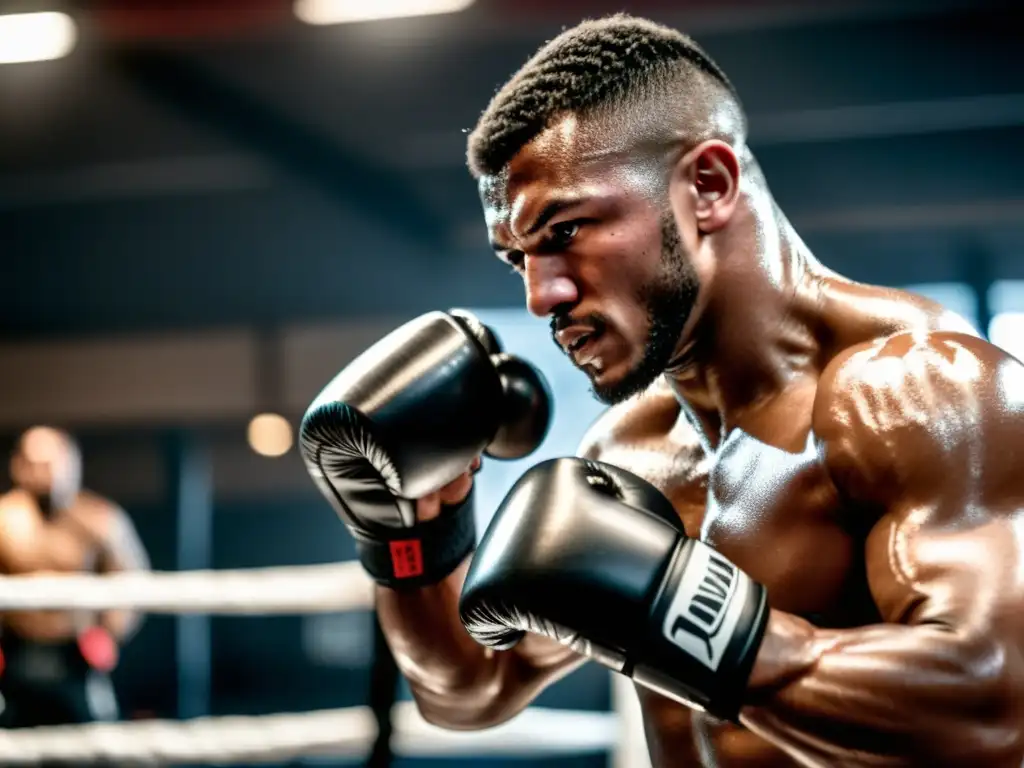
98,649
407,558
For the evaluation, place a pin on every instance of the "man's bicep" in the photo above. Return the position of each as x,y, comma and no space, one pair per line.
124,549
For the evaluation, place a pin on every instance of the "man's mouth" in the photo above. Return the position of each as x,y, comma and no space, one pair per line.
572,337
579,343
583,350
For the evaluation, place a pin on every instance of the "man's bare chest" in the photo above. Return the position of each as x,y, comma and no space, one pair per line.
773,512
30,544
778,516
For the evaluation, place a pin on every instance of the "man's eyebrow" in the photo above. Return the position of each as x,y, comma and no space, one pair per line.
552,209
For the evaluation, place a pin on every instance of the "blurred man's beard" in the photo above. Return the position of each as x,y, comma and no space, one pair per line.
46,504
51,503
669,299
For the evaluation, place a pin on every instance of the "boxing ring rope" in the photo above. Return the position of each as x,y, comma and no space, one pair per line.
336,733
348,732
255,591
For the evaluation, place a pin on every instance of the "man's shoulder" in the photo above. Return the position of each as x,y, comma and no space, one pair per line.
643,419
905,361
97,510
11,496
92,501
886,406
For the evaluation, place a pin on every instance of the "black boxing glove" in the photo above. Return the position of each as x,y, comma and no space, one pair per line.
597,558
406,418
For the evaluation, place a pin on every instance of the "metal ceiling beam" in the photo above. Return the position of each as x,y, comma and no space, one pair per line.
240,172
446,149
868,121
355,182
174,176
972,215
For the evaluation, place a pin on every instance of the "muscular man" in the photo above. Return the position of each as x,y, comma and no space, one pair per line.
56,663
849,448
855,452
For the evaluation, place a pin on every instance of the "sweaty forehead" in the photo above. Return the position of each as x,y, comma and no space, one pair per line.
550,159
564,159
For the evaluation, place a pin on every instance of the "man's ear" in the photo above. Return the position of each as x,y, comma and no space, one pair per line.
705,186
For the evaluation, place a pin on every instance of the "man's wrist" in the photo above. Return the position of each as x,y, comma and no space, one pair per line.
423,554
791,646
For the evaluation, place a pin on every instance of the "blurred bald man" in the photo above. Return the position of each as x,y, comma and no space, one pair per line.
56,664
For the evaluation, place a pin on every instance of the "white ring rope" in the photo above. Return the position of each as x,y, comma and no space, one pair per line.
335,733
216,740
255,591
269,738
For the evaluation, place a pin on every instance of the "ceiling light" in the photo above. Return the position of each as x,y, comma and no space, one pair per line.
270,435
321,12
36,36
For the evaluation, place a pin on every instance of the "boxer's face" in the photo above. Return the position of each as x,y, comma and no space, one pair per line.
47,466
594,240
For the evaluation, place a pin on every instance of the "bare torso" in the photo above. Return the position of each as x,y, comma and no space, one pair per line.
32,544
769,511
764,499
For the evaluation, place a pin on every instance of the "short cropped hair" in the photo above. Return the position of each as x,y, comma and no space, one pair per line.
599,64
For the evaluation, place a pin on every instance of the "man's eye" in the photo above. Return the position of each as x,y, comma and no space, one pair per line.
562,234
515,260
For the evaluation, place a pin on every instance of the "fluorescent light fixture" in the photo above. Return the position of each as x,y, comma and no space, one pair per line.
36,36
321,12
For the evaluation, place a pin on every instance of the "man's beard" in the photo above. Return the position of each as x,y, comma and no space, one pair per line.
52,501
47,504
668,299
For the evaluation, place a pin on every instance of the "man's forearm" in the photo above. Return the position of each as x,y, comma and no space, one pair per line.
890,694
122,552
430,645
457,682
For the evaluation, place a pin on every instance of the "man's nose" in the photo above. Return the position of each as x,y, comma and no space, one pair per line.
548,285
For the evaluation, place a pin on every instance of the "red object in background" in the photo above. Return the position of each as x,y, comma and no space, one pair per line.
98,649
171,19
3,663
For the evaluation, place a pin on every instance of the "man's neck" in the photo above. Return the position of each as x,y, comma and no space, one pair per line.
758,330
49,507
